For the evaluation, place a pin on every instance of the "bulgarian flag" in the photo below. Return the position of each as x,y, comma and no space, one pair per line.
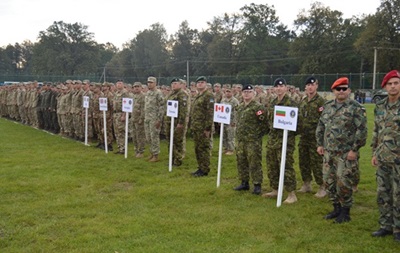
280,113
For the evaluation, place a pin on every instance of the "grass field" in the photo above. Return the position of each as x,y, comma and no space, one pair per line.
58,195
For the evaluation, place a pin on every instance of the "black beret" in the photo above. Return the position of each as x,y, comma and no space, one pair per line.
247,87
201,78
311,79
279,81
175,79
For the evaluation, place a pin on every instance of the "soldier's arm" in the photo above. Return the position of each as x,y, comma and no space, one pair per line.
360,121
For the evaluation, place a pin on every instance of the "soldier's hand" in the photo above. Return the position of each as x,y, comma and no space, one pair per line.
374,161
351,156
207,134
157,124
320,150
179,126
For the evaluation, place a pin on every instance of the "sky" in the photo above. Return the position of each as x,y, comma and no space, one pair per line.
119,21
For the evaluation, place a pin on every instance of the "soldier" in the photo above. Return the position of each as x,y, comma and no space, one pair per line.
201,125
109,114
97,115
251,125
88,93
138,130
310,162
179,123
386,157
153,113
76,111
229,130
274,147
340,133
119,116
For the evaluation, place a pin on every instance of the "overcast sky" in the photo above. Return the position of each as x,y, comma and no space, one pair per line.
118,21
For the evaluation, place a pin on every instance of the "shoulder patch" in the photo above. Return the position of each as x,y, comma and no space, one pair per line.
259,112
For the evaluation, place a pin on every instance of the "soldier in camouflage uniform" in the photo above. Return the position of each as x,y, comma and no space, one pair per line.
386,156
138,131
179,123
201,125
274,147
106,88
153,113
229,130
251,125
76,111
119,116
341,132
97,115
310,162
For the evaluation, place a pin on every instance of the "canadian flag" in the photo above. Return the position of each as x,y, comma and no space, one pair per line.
219,108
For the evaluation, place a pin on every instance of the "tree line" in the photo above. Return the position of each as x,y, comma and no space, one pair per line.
247,46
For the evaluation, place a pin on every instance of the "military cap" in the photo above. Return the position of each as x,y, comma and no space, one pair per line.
247,87
311,79
86,81
391,74
68,81
99,85
239,85
279,81
151,79
217,85
175,79
78,81
227,86
340,81
201,78
137,84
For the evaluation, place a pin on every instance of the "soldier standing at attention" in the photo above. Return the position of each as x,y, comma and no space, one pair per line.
179,95
341,132
201,125
229,130
274,147
153,113
311,107
386,156
138,132
251,125
119,116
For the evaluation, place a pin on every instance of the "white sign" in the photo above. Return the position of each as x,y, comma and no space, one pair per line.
172,108
222,113
103,104
85,102
285,117
127,104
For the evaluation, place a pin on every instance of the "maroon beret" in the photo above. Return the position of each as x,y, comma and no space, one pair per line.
340,81
391,74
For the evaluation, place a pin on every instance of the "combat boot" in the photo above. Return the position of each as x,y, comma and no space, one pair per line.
139,155
291,198
154,159
150,157
337,208
257,189
272,194
305,188
321,192
244,186
344,215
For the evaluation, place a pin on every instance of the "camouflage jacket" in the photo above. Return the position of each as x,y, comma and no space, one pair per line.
386,136
182,99
309,113
154,105
118,100
202,112
342,127
251,121
138,108
234,104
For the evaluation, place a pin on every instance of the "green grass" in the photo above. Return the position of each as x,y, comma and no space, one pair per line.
58,195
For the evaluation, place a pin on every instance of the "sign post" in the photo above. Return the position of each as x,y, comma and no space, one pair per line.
103,107
86,106
222,114
127,107
172,111
284,118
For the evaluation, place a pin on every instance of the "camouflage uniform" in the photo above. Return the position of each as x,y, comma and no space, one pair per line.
138,131
202,120
251,126
274,149
341,128
153,113
119,119
386,148
229,130
182,98
76,111
309,160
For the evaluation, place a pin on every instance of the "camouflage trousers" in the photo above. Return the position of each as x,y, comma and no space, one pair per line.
339,176
273,160
202,149
388,197
249,158
152,136
119,130
78,125
109,128
310,162
229,138
98,128
138,137
177,146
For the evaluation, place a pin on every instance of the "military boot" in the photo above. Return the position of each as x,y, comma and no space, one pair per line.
305,188
272,194
321,192
337,207
154,159
150,157
344,215
244,186
257,189
291,198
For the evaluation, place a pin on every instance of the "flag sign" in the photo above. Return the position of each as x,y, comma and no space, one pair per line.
85,102
285,117
172,108
127,104
222,113
103,104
